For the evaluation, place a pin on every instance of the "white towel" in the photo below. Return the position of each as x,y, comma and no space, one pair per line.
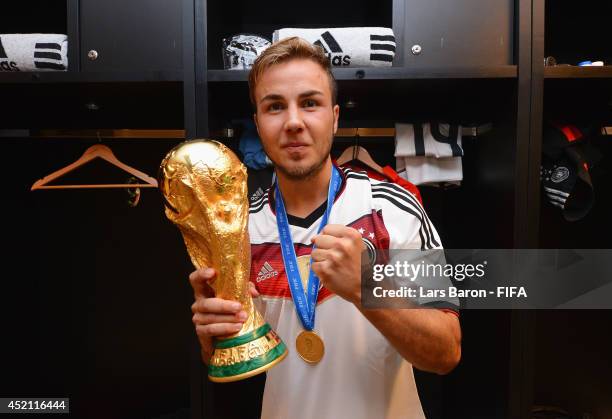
33,52
349,47
429,139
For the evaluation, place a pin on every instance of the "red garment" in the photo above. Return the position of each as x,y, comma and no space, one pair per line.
389,175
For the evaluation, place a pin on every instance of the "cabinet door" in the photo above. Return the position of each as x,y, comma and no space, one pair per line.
131,36
454,33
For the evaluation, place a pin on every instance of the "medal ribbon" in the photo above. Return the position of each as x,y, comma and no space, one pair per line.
304,302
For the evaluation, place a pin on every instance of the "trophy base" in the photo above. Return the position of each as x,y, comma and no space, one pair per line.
246,355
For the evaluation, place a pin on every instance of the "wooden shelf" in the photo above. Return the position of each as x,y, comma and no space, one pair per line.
390,73
575,72
83,77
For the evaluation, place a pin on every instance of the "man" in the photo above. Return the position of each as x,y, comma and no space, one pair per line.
366,368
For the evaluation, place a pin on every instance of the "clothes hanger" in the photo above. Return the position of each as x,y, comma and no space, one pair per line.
360,154
96,151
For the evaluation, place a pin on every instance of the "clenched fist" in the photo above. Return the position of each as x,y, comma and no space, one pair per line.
336,260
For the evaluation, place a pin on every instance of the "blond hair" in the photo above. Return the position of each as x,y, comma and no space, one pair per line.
285,50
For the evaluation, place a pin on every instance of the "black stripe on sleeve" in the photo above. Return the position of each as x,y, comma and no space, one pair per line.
48,46
381,57
424,232
409,199
382,38
350,173
357,176
425,244
383,47
258,200
51,55
53,66
405,196
259,206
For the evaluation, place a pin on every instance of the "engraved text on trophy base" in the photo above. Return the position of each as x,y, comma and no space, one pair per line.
245,352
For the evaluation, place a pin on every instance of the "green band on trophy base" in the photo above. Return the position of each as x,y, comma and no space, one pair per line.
240,340
247,355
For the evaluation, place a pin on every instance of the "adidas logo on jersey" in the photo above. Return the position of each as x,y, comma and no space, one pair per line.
266,272
257,194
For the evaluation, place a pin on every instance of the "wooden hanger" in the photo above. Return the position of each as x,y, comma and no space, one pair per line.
356,152
95,151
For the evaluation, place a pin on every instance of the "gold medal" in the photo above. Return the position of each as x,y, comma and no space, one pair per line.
310,346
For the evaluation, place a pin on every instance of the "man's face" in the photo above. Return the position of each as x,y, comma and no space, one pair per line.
295,117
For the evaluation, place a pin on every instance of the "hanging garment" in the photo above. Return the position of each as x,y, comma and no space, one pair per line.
429,154
33,52
349,47
437,140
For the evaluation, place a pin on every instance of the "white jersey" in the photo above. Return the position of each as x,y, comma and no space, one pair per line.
361,376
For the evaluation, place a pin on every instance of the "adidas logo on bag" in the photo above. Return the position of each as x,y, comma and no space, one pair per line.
266,272
333,50
6,65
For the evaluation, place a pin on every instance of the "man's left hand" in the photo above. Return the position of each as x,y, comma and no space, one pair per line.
336,260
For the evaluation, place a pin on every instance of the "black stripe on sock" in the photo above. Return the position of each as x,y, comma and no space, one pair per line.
51,55
383,47
48,46
381,57
40,64
329,39
382,38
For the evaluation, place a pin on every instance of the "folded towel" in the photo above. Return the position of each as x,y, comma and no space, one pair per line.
422,170
430,139
349,47
33,52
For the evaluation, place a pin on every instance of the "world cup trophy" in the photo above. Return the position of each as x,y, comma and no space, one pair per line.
205,191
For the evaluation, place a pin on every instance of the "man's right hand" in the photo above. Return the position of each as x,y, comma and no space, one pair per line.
213,316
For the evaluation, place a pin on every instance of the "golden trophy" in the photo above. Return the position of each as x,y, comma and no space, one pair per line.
205,191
